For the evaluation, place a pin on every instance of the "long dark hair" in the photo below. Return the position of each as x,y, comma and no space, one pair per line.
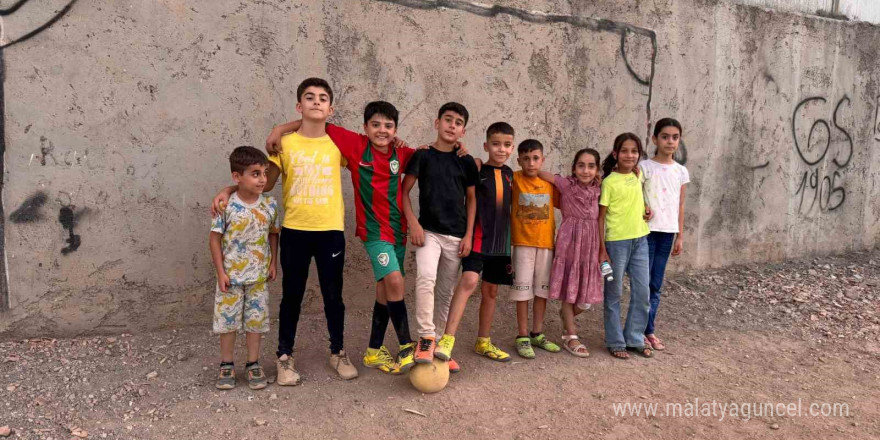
663,123
577,156
610,161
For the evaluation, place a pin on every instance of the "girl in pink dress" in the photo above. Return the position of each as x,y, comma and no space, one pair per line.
575,279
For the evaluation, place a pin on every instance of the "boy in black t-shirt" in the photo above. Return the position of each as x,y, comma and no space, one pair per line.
444,229
491,250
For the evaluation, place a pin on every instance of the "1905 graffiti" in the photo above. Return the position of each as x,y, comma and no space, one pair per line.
817,184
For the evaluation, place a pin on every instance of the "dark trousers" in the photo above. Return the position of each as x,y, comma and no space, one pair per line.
297,249
659,247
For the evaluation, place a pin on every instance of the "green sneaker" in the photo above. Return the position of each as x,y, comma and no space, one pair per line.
541,341
226,378
524,348
444,348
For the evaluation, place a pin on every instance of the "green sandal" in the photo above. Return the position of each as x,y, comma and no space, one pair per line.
524,348
541,341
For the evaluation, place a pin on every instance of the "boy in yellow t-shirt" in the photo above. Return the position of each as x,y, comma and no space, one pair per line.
532,229
310,167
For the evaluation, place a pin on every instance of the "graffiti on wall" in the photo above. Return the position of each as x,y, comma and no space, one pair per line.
826,148
877,119
6,13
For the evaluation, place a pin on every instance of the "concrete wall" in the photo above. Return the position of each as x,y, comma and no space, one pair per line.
119,118
858,10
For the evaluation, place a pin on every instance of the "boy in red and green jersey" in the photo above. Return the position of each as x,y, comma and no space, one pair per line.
376,177
376,165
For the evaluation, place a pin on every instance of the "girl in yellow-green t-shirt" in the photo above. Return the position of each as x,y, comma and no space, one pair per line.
622,214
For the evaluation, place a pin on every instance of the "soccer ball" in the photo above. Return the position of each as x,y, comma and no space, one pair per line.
430,378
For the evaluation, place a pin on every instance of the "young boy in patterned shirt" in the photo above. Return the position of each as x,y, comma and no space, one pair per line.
244,248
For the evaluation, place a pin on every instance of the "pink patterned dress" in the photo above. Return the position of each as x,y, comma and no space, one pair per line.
575,277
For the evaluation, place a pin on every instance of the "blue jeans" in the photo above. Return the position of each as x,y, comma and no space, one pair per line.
659,246
631,257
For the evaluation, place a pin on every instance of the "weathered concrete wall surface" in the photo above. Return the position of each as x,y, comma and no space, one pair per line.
119,117
858,10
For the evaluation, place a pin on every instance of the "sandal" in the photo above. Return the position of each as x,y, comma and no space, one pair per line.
644,351
579,350
655,342
619,353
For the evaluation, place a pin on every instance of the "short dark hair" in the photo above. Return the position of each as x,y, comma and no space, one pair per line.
499,128
529,145
245,156
455,108
380,108
313,82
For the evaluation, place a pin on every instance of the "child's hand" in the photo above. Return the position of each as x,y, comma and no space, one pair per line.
461,150
417,234
464,248
676,247
218,205
397,142
273,142
603,256
223,281
273,270
648,213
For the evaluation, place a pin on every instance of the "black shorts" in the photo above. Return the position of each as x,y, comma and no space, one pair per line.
495,269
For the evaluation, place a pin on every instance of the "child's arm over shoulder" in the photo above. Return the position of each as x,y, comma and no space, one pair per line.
273,142
547,176
271,176
349,143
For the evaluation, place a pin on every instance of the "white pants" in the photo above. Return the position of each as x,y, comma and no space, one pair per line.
437,266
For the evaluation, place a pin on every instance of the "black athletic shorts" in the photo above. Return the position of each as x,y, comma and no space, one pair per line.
495,269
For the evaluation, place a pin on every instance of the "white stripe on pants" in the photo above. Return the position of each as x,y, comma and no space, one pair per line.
437,266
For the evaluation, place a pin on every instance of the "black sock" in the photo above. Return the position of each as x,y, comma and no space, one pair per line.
248,365
534,335
380,324
225,364
397,310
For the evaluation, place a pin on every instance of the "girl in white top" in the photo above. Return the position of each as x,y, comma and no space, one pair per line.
664,190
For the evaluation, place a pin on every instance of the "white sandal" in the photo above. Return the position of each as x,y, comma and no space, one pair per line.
574,351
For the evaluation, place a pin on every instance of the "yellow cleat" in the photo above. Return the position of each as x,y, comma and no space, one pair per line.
485,347
381,359
405,359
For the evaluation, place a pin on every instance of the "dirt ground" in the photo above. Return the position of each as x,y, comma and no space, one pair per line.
801,333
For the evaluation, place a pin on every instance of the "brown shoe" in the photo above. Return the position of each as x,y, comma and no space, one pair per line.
343,366
287,375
